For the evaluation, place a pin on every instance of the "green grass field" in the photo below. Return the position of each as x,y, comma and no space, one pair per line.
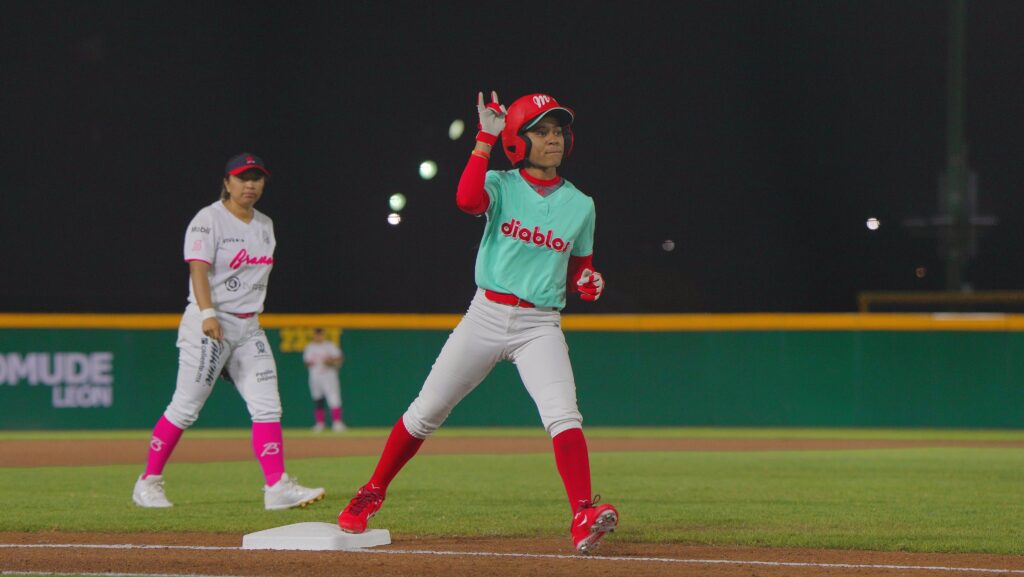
921,499
595,432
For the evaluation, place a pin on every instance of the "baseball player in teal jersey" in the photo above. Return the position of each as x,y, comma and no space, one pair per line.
537,244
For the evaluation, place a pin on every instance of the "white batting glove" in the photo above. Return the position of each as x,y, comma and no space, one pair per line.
492,116
590,285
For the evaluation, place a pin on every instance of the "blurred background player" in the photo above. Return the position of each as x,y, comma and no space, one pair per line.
229,247
323,358
539,231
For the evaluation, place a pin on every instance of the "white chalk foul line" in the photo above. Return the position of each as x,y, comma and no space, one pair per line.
702,561
983,570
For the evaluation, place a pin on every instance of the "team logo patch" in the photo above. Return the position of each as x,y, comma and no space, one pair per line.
270,449
233,284
541,99
260,347
156,444
197,245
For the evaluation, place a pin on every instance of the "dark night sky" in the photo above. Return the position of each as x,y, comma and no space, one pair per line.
758,136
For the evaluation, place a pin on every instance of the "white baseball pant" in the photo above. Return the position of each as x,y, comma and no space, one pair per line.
245,352
326,386
490,332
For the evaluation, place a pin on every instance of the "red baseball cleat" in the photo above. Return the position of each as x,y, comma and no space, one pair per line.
590,523
361,508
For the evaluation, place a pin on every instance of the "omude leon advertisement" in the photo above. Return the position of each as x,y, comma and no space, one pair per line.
75,379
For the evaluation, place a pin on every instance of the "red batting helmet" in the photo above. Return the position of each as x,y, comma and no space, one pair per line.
522,115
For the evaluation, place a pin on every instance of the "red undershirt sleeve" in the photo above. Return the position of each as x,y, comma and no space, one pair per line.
471,197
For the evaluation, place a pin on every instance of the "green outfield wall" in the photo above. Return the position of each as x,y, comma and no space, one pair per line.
104,371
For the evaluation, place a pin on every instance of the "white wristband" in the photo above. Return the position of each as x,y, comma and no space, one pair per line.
209,314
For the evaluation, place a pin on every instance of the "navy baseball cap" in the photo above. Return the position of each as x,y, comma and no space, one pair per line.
245,161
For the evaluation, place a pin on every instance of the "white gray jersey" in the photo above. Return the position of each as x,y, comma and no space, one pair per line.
240,256
317,354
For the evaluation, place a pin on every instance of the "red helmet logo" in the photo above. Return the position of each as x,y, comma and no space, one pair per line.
541,99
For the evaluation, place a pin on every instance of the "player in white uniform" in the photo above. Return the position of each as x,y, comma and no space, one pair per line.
323,358
540,228
229,247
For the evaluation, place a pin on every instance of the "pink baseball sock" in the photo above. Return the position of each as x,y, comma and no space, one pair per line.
318,415
161,445
268,446
336,414
573,460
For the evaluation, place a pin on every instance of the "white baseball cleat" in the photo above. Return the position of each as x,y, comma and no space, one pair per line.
339,427
149,493
318,428
288,493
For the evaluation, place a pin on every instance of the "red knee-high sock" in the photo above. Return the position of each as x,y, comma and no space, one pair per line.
573,462
401,447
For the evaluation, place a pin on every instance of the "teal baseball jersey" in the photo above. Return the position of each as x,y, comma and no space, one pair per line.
528,238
